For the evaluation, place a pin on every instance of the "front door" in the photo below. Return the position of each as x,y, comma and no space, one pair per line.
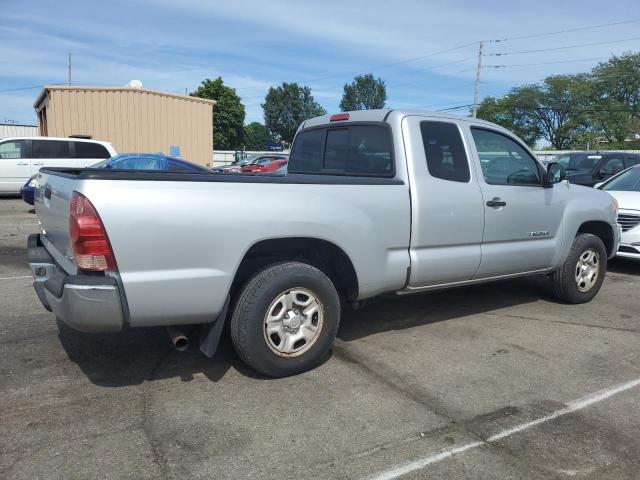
522,217
15,168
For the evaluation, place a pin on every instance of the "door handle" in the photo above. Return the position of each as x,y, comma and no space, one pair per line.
496,202
23,163
39,163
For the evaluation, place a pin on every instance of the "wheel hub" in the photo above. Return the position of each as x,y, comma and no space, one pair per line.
587,270
293,322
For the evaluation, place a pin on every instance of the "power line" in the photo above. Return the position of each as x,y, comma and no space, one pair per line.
561,48
534,64
557,32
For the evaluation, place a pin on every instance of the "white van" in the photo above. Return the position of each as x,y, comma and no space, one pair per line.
21,157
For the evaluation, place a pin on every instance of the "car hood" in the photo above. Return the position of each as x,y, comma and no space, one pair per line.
626,200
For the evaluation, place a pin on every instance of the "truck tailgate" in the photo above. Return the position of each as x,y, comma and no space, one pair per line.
52,201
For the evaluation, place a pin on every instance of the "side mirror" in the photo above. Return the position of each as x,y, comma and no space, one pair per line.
555,174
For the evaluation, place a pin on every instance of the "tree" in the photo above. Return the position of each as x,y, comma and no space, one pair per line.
617,98
228,113
364,93
256,136
286,107
556,109
496,110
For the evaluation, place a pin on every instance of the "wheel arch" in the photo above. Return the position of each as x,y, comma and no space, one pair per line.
322,254
603,231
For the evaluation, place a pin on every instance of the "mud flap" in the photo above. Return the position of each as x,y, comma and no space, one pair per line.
210,333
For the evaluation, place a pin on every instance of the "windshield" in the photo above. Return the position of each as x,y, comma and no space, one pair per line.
628,181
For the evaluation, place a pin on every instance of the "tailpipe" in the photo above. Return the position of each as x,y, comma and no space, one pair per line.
178,338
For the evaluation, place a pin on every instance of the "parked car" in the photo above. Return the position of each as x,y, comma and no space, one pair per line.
625,188
374,202
238,166
128,161
265,164
151,161
22,157
589,168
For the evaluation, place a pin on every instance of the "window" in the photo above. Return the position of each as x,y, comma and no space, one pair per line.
631,161
612,165
50,149
139,163
336,150
504,161
90,150
13,150
353,150
306,154
443,147
628,181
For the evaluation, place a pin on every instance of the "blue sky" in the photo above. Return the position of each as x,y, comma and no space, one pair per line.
172,45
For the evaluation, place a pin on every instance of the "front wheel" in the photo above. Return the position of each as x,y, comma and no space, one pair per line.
581,276
286,319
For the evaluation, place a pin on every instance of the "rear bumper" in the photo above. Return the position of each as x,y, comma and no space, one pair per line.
85,303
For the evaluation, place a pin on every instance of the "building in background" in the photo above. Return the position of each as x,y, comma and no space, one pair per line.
8,130
133,119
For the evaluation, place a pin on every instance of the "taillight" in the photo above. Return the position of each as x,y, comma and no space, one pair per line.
91,247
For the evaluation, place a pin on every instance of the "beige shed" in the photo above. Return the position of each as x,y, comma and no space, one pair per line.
132,119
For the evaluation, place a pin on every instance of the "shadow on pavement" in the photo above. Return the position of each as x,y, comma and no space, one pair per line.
624,265
397,313
138,355
134,356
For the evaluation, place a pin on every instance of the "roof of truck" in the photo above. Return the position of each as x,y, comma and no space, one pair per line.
382,114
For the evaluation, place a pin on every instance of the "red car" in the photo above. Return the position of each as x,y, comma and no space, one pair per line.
265,164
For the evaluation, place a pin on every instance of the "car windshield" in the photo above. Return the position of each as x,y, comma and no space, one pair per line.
628,181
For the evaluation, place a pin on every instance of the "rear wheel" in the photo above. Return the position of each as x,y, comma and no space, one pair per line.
581,276
285,319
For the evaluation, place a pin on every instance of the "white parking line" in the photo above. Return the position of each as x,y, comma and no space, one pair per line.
571,407
15,278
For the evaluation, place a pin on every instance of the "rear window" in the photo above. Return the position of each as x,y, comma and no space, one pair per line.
50,149
90,150
361,150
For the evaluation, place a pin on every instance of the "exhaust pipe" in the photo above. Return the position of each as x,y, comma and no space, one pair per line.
178,338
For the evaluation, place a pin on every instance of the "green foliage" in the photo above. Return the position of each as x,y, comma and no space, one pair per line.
228,113
286,107
597,109
256,136
364,93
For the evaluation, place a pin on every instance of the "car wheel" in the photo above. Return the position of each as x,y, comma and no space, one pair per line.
285,319
581,276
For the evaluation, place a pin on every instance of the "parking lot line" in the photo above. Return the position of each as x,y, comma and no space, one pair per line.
15,278
571,407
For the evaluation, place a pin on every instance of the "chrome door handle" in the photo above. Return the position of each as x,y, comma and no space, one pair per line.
23,163
39,163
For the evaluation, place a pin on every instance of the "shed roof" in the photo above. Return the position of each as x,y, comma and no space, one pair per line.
48,88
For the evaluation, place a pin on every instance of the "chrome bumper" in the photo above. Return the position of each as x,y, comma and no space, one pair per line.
85,303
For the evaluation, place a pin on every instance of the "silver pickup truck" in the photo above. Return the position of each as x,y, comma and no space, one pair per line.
375,202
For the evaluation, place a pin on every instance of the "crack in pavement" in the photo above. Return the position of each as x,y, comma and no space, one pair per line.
563,322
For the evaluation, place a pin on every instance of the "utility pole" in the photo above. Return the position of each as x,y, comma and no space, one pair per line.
69,71
476,92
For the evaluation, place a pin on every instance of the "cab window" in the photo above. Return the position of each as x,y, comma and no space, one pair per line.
503,160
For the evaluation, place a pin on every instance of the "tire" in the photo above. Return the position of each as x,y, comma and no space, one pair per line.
574,282
282,303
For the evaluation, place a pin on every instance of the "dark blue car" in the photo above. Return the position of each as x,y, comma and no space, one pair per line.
129,161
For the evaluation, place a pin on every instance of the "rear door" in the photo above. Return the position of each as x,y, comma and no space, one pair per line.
522,218
446,201
51,153
15,166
